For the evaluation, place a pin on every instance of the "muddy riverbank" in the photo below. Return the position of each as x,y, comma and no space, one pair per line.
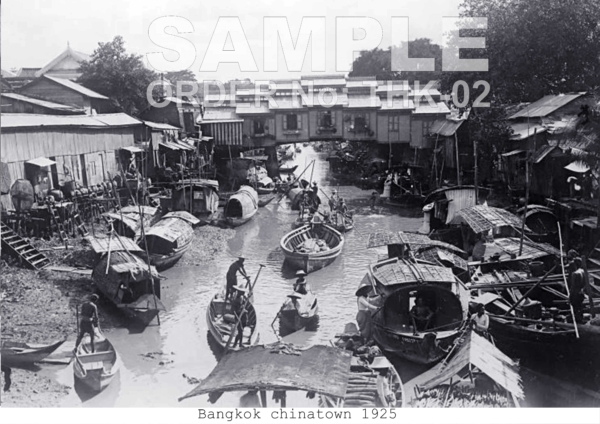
40,307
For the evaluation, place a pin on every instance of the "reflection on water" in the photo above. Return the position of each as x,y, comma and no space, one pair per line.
158,362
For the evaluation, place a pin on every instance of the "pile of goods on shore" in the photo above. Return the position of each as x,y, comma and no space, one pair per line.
312,246
460,397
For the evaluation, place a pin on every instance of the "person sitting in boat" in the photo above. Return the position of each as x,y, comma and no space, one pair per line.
240,312
300,285
234,268
421,314
89,320
481,321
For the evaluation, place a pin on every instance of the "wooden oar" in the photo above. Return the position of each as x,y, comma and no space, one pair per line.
562,264
234,329
294,182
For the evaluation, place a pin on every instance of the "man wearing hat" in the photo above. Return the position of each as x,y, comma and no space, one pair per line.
89,320
241,314
234,268
300,285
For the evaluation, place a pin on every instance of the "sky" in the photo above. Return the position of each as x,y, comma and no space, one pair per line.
36,31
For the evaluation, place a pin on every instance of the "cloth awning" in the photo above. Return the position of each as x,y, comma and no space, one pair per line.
132,149
512,153
577,166
41,162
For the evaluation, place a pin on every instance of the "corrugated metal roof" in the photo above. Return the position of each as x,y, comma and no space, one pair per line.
160,126
446,127
42,103
26,120
546,105
522,130
363,101
397,103
251,108
76,87
425,109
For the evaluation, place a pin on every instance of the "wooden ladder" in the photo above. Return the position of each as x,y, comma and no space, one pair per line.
80,225
21,249
57,221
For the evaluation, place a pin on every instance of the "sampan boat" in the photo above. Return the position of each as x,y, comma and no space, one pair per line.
241,206
97,369
221,322
22,353
311,247
125,280
169,239
297,312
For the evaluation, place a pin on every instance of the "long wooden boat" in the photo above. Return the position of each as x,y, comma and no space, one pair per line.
373,380
169,239
241,206
297,312
97,369
343,225
400,284
16,353
125,281
221,321
287,169
311,247
265,186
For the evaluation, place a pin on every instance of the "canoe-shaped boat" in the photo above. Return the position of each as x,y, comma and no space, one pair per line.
125,280
311,247
297,312
265,186
221,322
169,239
407,292
22,353
241,206
373,381
343,225
287,169
97,369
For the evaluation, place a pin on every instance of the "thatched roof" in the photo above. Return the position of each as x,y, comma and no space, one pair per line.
113,244
440,256
483,218
511,245
477,351
396,271
320,369
414,240
167,234
186,216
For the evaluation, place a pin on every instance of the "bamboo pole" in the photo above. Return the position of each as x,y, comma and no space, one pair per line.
512,308
457,159
588,288
562,264
475,170
527,183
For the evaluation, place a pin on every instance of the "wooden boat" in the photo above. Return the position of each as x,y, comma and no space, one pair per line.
474,374
373,381
96,369
311,247
287,169
342,225
399,285
297,312
265,186
169,239
22,353
287,370
125,281
221,321
241,206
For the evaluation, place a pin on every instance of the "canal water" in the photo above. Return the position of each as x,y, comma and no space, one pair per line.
162,363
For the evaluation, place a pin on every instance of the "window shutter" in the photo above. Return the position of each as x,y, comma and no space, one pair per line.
299,121
285,118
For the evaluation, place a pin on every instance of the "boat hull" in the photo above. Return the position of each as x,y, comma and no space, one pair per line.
162,262
310,262
17,353
97,370
220,331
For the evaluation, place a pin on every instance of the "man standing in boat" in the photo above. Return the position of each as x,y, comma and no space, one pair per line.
89,320
234,268
577,284
241,313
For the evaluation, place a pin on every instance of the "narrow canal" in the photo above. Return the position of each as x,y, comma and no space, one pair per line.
160,364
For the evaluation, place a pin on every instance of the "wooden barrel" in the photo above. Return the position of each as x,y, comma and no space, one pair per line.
22,195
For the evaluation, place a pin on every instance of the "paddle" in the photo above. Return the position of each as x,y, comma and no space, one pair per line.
294,182
243,311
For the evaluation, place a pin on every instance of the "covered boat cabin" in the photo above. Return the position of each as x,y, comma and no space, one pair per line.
279,368
197,196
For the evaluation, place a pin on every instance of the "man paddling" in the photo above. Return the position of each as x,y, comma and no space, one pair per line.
234,268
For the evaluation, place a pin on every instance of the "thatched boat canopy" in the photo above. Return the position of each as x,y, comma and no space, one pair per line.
242,203
112,244
483,218
396,271
147,211
320,369
479,352
186,216
123,267
168,234
531,250
127,225
413,240
440,256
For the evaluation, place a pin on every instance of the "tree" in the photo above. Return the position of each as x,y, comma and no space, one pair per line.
187,82
122,77
534,47
378,62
